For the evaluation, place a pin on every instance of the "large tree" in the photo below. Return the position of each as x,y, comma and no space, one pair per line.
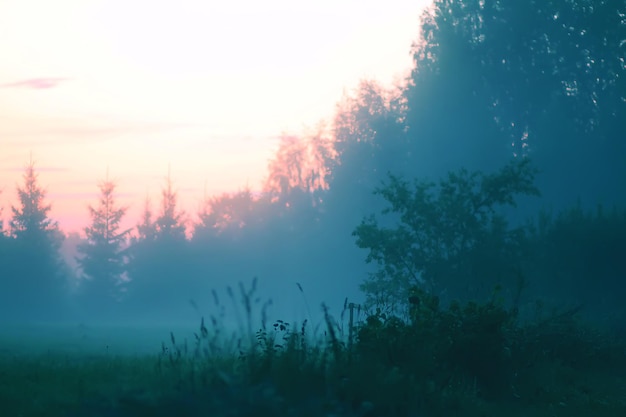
370,141
103,260
495,79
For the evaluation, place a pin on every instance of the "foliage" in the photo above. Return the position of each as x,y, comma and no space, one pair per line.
481,349
146,229
1,219
540,52
471,359
300,163
297,182
369,139
540,78
161,281
30,221
103,260
448,236
228,212
468,342
170,223
5,251
581,251
33,277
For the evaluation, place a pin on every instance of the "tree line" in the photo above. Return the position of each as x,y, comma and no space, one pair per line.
493,85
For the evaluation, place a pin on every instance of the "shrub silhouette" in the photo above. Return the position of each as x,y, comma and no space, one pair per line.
450,236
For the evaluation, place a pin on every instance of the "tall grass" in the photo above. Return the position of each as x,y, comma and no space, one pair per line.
383,366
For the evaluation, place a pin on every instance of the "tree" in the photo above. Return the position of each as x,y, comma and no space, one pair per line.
542,78
104,258
449,236
159,268
577,255
229,212
170,223
6,265
36,279
300,169
298,183
5,248
146,230
1,218
370,140
30,221
231,236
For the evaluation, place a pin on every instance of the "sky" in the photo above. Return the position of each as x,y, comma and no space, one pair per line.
199,88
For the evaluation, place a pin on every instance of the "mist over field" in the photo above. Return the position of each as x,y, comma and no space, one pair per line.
480,102
186,229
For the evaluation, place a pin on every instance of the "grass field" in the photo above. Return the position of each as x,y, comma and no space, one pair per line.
471,361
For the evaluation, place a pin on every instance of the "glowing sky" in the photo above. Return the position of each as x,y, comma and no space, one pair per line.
201,86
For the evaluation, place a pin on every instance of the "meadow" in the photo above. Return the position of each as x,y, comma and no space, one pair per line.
472,359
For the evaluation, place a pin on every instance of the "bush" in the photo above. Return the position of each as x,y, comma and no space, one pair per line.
449,236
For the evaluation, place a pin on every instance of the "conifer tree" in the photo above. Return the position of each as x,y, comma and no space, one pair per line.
37,271
30,220
159,267
104,258
170,223
146,230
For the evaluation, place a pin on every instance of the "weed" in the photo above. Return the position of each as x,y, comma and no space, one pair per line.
467,359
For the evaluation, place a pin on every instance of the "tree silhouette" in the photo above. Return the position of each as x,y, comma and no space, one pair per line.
450,236
547,79
230,236
370,141
103,260
228,212
577,255
297,183
36,280
1,218
300,170
30,221
6,258
170,223
146,230
159,268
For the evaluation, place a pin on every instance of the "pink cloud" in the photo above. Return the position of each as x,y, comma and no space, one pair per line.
36,83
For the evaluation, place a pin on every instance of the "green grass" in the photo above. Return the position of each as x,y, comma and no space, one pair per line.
432,365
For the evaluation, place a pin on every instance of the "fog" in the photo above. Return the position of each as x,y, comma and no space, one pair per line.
475,105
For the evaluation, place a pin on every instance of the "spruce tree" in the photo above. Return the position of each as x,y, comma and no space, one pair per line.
159,267
170,223
104,260
30,221
146,230
36,274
